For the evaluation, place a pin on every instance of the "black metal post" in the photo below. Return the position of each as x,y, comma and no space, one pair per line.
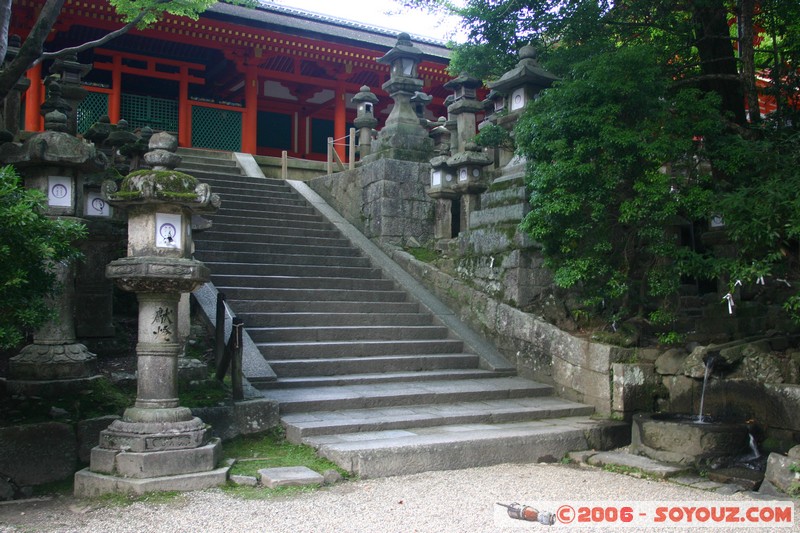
219,329
236,359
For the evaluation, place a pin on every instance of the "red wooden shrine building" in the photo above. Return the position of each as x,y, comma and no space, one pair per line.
252,80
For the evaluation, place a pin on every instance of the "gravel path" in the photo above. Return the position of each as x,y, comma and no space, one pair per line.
456,501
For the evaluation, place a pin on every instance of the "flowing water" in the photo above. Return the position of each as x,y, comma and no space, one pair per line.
709,363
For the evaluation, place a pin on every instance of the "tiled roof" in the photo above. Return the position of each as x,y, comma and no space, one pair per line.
298,21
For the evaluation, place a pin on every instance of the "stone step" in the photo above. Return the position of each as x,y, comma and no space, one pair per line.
265,207
313,424
264,203
316,295
309,319
379,378
204,153
250,306
272,238
245,216
310,249
311,223
313,399
286,259
361,348
222,229
234,195
193,165
414,450
235,184
277,269
362,370
346,333
294,282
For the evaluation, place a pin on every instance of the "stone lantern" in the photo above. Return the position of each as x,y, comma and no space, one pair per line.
365,120
157,445
523,83
403,137
71,73
470,178
514,90
465,107
54,162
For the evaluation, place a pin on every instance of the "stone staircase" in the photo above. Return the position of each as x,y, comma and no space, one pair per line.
378,380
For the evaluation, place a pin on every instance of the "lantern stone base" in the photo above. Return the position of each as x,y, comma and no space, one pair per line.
51,361
405,142
90,484
159,468
46,388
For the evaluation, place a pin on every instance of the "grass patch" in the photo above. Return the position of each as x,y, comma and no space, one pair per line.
209,393
270,450
426,255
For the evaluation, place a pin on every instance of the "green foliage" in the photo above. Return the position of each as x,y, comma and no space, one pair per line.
29,243
154,10
493,136
601,202
671,338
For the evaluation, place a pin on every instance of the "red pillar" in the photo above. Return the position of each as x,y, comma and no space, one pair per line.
33,100
184,110
115,98
250,118
340,121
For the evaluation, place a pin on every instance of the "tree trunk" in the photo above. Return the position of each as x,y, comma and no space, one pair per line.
747,56
31,48
718,63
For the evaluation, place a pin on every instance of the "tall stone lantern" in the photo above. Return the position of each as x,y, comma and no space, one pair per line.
55,163
465,107
515,89
157,445
365,120
403,137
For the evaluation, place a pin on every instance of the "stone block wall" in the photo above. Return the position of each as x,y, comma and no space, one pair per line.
384,199
578,368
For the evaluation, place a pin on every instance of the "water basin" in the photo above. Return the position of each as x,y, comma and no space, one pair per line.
683,439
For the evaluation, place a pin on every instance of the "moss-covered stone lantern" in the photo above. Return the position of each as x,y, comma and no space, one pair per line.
156,439
403,137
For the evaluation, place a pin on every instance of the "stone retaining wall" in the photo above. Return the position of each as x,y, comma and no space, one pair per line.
384,199
579,369
36,454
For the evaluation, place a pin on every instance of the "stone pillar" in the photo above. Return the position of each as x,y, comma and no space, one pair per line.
157,445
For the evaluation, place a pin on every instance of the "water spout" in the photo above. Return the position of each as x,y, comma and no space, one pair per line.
754,453
709,363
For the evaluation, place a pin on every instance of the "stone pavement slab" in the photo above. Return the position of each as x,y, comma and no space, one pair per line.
644,464
294,476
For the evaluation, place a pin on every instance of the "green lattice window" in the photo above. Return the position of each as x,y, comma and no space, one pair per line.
217,129
94,106
158,113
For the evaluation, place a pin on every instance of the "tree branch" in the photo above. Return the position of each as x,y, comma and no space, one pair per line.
97,42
